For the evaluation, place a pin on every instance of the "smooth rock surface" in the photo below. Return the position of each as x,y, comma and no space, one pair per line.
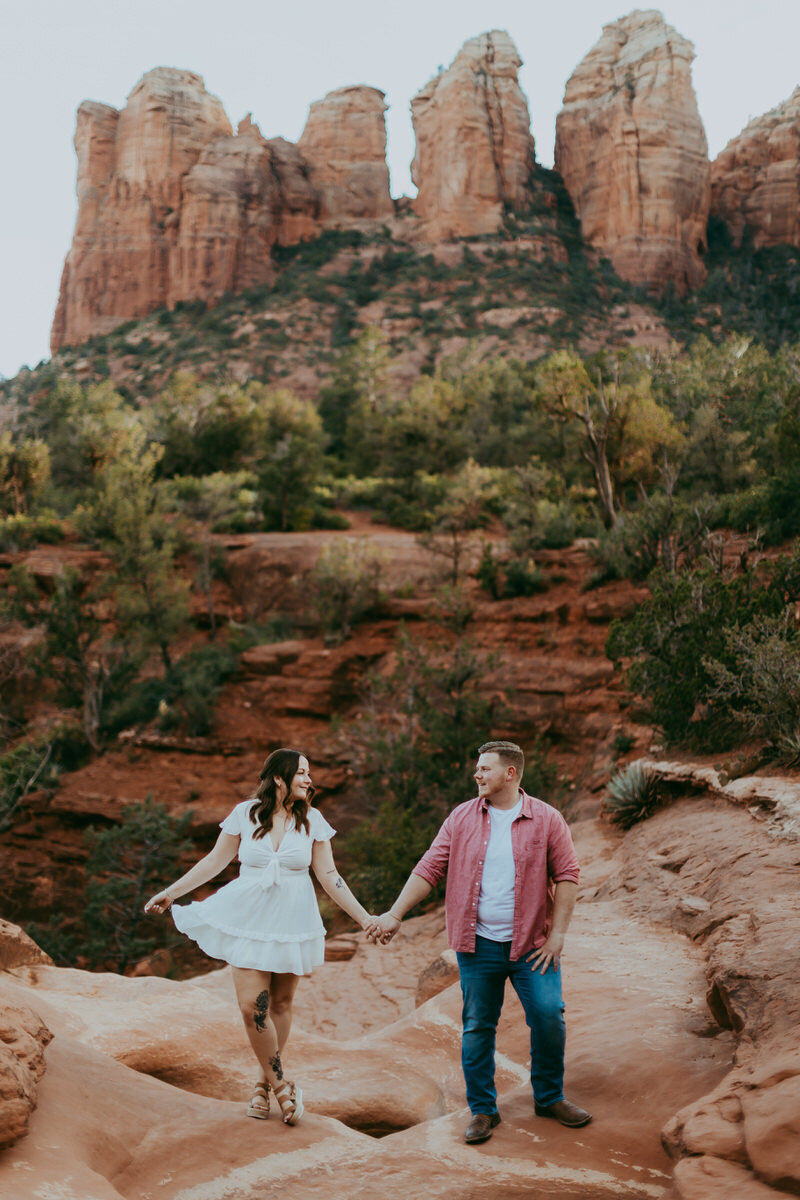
474,146
755,180
147,1079
632,151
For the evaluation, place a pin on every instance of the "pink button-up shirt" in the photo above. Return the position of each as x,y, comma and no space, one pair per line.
543,856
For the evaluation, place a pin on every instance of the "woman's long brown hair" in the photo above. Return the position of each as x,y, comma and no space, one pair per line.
281,764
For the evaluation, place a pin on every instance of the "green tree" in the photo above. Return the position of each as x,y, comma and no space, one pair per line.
80,649
291,442
127,514
414,747
624,430
210,502
346,584
360,392
24,472
127,863
471,496
204,427
669,644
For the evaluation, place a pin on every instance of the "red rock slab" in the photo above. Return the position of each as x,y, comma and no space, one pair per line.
23,1037
103,1131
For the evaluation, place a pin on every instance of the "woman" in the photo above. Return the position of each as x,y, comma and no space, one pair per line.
266,923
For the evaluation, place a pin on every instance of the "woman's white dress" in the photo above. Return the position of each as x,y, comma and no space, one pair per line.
267,918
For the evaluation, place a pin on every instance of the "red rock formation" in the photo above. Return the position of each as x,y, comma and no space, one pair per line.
243,195
632,151
474,146
755,181
173,206
23,1037
344,143
131,167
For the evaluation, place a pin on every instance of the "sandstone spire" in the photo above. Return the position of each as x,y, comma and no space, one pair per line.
344,144
131,167
632,151
474,146
755,181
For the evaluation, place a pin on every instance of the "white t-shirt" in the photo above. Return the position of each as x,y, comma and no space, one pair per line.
496,900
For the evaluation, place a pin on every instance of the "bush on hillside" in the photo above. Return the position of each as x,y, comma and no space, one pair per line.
671,644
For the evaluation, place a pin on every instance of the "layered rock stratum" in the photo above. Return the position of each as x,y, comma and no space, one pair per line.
631,148
474,151
755,181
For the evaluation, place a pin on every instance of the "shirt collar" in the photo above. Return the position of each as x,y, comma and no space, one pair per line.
527,803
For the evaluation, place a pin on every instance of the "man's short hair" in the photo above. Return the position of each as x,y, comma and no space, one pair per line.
509,752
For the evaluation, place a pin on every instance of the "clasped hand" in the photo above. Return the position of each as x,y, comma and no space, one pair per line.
382,929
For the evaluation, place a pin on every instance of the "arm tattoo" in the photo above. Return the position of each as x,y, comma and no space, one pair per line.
339,882
262,1010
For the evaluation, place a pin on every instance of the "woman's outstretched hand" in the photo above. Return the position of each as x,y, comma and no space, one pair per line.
158,903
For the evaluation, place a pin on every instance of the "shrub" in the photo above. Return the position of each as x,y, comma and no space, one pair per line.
632,795
21,532
127,863
345,584
660,532
674,637
183,699
415,743
523,578
29,765
762,688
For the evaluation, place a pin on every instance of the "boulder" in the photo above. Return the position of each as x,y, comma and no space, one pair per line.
23,1037
17,949
437,976
755,181
474,146
632,151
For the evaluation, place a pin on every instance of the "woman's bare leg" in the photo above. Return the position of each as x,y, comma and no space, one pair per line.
253,994
281,994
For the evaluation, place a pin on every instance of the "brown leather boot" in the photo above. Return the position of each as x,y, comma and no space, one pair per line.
481,1126
565,1112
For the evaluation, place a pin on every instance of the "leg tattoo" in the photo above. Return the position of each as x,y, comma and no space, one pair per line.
262,1010
277,1066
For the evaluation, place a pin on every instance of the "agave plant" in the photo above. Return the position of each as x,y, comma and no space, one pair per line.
632,795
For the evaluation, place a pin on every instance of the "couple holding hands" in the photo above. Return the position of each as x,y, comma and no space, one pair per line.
512,877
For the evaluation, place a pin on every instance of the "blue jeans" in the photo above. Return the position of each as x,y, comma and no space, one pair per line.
483,979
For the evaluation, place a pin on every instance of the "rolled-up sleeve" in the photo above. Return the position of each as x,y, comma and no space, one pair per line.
562,861
433,865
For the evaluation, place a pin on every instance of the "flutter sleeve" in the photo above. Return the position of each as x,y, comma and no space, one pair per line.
232,823
321,831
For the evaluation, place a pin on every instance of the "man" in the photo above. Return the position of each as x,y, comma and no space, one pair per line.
512,880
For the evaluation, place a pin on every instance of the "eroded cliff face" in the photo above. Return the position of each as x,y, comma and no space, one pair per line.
174,206
243,195
755,181
131,168
344,144
632,151
474,146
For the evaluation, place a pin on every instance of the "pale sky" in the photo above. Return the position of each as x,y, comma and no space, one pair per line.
273,59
